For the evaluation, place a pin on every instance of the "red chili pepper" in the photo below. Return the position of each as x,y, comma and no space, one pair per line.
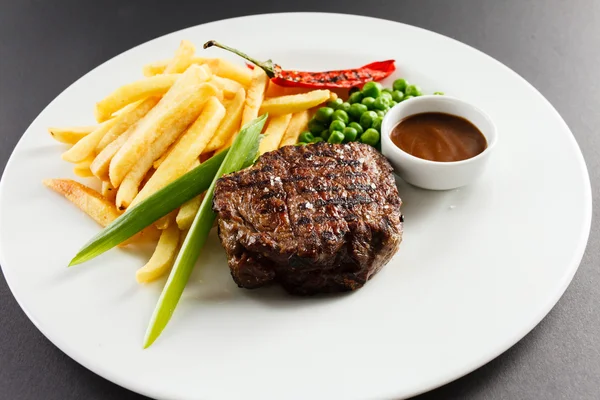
323,80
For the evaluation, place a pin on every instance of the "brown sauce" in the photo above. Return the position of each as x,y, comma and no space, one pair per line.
438,137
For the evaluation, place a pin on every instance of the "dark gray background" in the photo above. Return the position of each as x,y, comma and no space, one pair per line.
555,45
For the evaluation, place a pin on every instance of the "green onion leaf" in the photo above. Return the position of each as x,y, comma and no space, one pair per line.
244,147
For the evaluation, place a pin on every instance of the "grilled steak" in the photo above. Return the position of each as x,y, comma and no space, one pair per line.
318,218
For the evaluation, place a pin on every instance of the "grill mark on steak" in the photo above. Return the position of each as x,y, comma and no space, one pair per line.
349,174
270,195
319,189
268,182
319,153
304,220
347,202
361,186
354,186
351,163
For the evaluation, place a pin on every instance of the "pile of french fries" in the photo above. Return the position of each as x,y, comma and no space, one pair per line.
152,131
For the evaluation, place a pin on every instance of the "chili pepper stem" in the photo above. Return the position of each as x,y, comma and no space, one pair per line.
266,66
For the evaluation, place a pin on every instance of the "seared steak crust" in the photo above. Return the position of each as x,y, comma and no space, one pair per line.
317,218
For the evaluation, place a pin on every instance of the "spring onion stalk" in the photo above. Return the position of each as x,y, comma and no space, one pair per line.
244,147
154,207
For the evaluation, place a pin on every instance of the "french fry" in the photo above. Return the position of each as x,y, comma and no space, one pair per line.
155,68
88,200
127,191
294,103
275,90
255,95
230,125
82,172
226,69
158,67
70,134
163,257
273,133
108,191
227,102
173,113
187,149
132,184
182,59
187,212
254,98
82,168
87,145
296,126
126,108
132,92
166,221
162,158
85,163
228,86
101,163
125,120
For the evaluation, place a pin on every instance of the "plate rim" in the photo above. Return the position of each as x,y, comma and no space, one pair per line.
483,359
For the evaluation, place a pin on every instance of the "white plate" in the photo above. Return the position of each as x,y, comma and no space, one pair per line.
479,267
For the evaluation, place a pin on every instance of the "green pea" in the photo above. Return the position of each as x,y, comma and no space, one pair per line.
353,89
393,104
397,95
387,90
345,107
356,125
301,144
324,114
325,134
336,137
372,89
318,139
413,90
306,137
357,109
381,103
438,93
400,84
369,102
340,115
355,97
387,95
335,104
350,134
336,125
377,123
366,119
315,127
380,113
408,97
371,136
